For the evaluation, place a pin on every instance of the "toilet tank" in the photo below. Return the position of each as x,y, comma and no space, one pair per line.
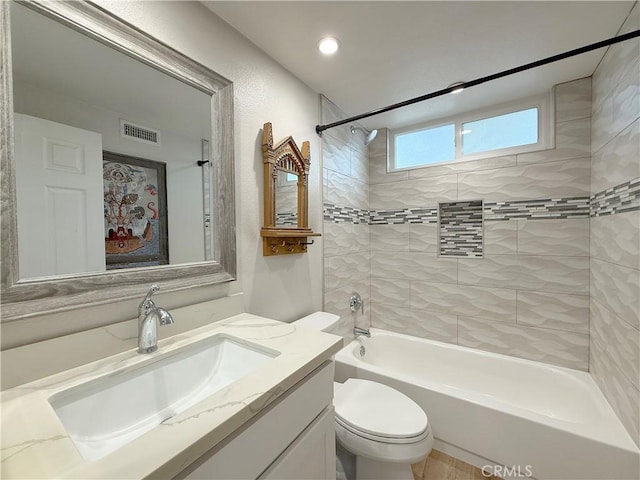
322,321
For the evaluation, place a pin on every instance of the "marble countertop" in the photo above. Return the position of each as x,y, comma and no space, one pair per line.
36,445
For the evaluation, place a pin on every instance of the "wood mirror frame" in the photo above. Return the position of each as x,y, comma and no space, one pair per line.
285,157
22,299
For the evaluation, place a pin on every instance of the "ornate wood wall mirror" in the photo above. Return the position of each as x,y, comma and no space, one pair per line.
286,205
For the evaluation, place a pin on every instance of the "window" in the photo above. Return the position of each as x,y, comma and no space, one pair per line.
502,131
422,147
515,128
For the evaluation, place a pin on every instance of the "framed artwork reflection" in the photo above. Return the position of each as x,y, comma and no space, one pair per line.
135,211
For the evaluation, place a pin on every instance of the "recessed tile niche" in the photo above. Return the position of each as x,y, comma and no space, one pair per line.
461,229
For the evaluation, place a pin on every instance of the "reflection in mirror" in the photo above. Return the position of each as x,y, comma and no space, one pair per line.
287,200
87,83
78,209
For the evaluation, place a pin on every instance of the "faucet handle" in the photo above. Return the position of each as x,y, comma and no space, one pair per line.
147,300
164,317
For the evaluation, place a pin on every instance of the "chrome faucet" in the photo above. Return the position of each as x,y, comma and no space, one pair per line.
357,331
149,317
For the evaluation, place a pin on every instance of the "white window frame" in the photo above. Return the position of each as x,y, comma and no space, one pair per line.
544,103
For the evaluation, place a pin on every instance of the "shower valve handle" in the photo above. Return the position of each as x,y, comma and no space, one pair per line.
356,303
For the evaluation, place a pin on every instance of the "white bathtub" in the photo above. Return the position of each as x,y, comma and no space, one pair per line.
537,420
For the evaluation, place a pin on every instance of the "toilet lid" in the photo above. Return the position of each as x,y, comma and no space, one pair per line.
379,410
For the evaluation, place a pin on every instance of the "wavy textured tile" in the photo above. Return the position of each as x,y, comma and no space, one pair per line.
573,140
423,237
549,346
617,61
463,166
390,291
602,124
573,100
335,155
567,178
490,303
346,191
359,161
343,238
419,323
330,113
617,287
379,145
554,310
500,237
390,238
554,237
623,397
414,266
618,161
342,270
616,238
551,274
378,171
337,302
413,193
287,199
619,339
626,97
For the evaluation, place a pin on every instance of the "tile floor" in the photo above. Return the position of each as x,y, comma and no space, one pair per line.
439,466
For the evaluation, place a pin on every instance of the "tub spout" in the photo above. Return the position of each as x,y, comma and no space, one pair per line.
357,331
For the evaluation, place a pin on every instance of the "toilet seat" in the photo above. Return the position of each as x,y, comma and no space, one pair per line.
377,412
383,439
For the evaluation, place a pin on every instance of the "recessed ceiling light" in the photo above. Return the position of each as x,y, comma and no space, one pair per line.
328,45
457,87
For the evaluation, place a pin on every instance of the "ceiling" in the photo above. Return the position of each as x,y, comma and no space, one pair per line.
394,51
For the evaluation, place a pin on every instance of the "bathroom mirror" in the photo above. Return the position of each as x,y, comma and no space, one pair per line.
287,200
136,106
286,214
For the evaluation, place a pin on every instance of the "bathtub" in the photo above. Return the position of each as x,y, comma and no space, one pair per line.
516,418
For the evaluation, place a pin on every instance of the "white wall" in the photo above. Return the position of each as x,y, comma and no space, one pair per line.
283,287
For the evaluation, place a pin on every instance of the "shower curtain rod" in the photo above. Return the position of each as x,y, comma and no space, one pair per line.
478,81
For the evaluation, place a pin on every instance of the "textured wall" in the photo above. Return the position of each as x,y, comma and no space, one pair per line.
528,296
615,228
346,233
285,287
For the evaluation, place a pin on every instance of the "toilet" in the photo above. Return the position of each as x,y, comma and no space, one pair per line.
382,427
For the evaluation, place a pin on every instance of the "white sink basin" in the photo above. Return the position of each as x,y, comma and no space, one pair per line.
104,414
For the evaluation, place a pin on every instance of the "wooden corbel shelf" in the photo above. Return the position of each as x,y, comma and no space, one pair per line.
285,157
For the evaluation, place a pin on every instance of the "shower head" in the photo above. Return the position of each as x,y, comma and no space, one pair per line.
370,135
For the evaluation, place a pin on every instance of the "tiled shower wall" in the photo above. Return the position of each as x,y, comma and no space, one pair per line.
528,295
615,231
346,240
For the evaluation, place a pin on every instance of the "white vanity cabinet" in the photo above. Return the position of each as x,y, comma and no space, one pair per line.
294,438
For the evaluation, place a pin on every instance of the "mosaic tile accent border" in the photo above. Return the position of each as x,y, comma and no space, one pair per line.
619,199
286,218
461,229
336,214
404,215
561,208
548,208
